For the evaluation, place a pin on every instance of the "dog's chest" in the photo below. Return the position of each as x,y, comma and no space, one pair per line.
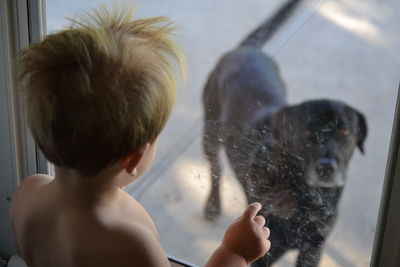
317,210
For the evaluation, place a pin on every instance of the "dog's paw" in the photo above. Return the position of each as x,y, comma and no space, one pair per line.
212,211
211,215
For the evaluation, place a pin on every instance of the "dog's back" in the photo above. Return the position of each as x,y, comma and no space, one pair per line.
239,80
240,90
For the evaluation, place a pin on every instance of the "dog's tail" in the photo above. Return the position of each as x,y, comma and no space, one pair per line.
265,31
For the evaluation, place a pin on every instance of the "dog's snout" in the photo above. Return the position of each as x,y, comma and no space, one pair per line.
326,167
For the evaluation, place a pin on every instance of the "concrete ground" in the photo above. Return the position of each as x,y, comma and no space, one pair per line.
337,49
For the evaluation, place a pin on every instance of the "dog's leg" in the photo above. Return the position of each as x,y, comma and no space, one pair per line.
309,255
273,255
279,241
211,144
261,262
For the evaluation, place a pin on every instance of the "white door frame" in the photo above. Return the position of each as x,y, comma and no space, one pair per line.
21,23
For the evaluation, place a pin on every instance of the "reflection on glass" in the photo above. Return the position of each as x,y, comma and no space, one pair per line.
342,51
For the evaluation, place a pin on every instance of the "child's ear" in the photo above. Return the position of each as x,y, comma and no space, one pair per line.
132,160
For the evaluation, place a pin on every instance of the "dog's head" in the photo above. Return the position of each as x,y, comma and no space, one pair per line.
324,134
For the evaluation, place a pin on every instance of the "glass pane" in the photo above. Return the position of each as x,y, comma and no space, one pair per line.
337,50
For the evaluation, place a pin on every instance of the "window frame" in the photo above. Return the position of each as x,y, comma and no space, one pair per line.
23,22
386,250
19,22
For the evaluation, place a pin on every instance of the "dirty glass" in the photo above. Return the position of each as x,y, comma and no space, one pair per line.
312,147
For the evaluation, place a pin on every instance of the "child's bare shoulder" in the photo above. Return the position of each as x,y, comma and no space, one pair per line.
136,245
28,188
32,182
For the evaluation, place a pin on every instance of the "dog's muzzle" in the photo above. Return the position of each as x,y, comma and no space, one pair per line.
325,168
325,173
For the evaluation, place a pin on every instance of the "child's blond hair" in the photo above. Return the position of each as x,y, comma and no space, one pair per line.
101,88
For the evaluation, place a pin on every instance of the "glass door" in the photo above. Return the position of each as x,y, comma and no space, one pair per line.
339,50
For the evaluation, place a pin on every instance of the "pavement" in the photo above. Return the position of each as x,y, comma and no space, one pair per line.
336,49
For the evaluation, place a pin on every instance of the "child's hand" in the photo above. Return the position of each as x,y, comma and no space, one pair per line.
247,236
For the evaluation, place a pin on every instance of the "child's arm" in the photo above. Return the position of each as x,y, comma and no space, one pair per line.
245,241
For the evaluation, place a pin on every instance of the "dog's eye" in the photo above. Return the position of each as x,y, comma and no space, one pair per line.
343,132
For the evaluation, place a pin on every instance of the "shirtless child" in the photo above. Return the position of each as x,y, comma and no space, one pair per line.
98,96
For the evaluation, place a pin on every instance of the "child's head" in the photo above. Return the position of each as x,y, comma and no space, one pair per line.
100,89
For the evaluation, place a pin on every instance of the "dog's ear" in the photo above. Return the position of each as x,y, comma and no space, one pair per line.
361,131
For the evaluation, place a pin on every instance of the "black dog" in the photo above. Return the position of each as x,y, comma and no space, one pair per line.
291,159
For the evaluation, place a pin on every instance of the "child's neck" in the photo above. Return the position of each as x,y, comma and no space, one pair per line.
100,187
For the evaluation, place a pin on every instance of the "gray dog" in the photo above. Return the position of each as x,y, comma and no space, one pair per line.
291,159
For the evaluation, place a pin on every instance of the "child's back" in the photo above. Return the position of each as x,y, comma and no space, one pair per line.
58,226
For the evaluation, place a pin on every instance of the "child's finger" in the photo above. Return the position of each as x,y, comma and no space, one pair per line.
266,231
259,220
251,211
267,245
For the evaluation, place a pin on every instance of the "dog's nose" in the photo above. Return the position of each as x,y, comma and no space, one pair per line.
326,167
